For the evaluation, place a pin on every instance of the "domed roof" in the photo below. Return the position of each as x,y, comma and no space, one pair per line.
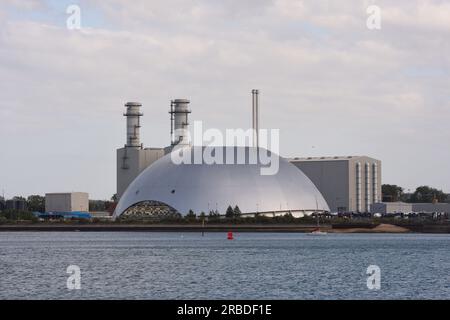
204,187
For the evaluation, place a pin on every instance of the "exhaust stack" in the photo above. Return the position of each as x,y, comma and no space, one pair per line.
133,115
179,123
255,117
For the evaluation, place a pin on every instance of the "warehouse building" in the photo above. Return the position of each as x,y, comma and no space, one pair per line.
403,207
348,184
391,207
67,202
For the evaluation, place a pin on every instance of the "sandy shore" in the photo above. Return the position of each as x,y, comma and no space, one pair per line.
381,228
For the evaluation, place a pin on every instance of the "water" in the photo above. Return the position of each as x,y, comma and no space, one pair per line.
130,265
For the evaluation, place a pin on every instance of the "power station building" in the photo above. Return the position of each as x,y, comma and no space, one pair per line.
348,184
149,183
204,187
133,158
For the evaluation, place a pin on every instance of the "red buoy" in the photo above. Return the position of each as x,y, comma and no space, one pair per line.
230,236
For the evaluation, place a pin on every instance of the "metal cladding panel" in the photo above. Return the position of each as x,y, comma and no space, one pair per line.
203,187
57,202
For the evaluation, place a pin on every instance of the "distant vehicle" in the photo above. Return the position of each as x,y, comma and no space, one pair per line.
377,215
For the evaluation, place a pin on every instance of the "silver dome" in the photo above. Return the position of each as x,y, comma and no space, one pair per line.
203,187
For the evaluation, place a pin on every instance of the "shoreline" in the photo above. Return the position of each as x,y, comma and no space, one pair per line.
355,228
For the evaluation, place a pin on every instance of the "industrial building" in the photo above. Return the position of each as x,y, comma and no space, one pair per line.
403,207
67,202
205,187
348,184
150,184
16,204
391,207
133,158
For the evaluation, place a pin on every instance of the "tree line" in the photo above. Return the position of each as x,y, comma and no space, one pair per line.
36,203
422,194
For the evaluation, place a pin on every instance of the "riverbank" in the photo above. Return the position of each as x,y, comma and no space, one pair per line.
226,227
381,228
338,228
162,227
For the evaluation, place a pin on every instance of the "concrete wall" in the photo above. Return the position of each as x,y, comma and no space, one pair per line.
337,180
131,162
67,202
80,201
331,178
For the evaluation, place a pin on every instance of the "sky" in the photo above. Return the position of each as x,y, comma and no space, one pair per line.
328,82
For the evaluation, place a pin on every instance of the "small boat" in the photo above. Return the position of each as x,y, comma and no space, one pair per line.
317,232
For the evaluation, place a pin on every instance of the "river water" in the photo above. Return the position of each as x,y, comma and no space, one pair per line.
152,265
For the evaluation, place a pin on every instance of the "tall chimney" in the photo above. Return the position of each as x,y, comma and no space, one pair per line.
255,117
133,115
179,123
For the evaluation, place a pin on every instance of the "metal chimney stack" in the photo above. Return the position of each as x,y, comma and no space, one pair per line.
133,115
179,124
255,117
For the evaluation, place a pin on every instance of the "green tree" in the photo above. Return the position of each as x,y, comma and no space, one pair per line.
391,192
36,203
428,195
230,212
237,212
191,215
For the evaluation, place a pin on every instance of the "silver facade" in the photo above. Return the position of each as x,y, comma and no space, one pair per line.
350,183
206,187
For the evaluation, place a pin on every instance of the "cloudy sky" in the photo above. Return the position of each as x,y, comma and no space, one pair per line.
331,85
